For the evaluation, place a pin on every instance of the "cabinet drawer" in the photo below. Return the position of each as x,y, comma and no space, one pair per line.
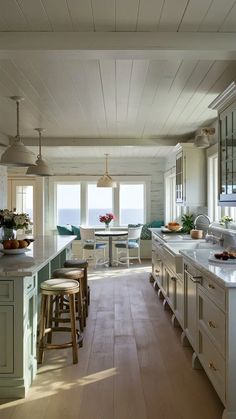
213,363
212,320
7,291
29,284
214,291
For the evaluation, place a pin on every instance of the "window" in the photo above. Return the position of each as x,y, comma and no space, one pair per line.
68,204
132,204
24,199
99,203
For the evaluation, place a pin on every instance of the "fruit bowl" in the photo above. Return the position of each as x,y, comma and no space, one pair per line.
174,226
15,251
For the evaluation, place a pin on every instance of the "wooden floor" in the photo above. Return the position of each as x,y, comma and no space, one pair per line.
132,364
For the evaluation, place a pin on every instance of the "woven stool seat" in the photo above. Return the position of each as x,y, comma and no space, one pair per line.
78,275
60,285
76,263
68,273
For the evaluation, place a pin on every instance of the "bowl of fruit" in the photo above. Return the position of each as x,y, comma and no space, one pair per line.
15,247
174,226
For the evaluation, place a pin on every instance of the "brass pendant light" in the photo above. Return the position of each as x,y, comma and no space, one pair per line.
17,154
106,181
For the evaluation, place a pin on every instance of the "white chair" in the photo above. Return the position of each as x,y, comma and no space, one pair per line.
89,244
132,242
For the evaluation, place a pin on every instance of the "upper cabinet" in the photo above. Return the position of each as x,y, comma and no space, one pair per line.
190,175
225,104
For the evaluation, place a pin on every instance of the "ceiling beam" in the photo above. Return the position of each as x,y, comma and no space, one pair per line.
92,45
107,142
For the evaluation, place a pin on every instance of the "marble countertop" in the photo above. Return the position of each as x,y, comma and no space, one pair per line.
172,236
41,251
225,272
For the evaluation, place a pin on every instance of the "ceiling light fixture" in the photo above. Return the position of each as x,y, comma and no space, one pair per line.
106,181
203,140
17,154
41,168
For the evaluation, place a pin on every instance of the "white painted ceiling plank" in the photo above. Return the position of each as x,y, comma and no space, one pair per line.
81,15
35,15
123,76
229,24
13,16
215,16
171,15
108,70
194,15
190,88
126,15
104,15
149,15
58,14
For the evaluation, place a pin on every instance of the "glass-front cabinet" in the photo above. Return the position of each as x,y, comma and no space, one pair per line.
227,156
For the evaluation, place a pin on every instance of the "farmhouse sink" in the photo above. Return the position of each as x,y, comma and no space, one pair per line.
175,259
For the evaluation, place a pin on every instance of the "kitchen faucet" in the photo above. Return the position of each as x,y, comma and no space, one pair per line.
206,220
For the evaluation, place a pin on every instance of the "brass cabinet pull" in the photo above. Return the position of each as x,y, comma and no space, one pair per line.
211,324
157,271
212,366
211,286
173,278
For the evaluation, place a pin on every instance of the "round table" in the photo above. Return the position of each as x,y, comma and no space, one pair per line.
110,234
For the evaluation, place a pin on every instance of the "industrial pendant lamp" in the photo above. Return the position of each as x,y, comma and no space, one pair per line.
17,154
106,181
41,168
203,140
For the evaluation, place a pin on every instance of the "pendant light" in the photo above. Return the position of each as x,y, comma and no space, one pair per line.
41,168
17,154
106,181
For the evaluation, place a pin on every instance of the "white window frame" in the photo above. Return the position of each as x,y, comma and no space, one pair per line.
84,181
170,195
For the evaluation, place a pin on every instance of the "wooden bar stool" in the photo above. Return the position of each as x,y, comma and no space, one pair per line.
81,264
57,288
77,275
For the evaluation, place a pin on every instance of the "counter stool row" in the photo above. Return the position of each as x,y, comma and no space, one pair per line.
67,292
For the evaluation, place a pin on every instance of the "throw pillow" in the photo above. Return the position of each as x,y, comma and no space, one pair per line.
157,223
65,230
76,232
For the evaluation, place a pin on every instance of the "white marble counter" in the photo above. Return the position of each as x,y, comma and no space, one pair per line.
172,236
41,251
225,272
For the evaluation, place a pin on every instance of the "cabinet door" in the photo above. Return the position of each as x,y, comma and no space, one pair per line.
157,268
169,285
191,308
227,157
30,331
6,339
179,301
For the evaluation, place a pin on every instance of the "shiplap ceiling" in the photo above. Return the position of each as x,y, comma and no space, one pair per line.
113,69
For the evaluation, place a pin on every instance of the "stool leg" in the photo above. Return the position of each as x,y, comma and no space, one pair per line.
86,290
73,328
42,327
82,302
50,313
57,309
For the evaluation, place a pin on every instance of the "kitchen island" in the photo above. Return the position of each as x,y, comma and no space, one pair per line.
20,278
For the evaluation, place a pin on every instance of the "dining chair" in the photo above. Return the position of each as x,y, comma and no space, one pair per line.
91,245
123,247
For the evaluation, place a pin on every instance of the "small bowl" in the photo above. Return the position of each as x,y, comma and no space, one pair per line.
174,227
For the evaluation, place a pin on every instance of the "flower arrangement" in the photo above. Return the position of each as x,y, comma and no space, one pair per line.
107,218
225,220
11,219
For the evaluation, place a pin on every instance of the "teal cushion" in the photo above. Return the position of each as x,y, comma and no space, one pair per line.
76,232
146,233
157,223
65,230
131,244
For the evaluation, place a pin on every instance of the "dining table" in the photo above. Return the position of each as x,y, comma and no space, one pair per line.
110,234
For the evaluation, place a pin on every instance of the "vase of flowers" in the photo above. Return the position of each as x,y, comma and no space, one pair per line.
106,219
226,220
10,221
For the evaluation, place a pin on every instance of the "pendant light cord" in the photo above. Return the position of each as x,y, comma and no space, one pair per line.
40,136
106,171
17,120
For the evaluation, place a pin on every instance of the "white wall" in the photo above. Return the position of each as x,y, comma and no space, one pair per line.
3,187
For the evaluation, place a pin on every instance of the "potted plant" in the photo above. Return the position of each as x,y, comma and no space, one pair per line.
187,223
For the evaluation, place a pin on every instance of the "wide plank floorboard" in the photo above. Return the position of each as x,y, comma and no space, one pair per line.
131,366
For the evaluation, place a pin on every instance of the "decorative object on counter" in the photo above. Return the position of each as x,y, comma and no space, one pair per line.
16,244
107,218
18,251
226,220
187,223
106,181
196,234
10,221
174,226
